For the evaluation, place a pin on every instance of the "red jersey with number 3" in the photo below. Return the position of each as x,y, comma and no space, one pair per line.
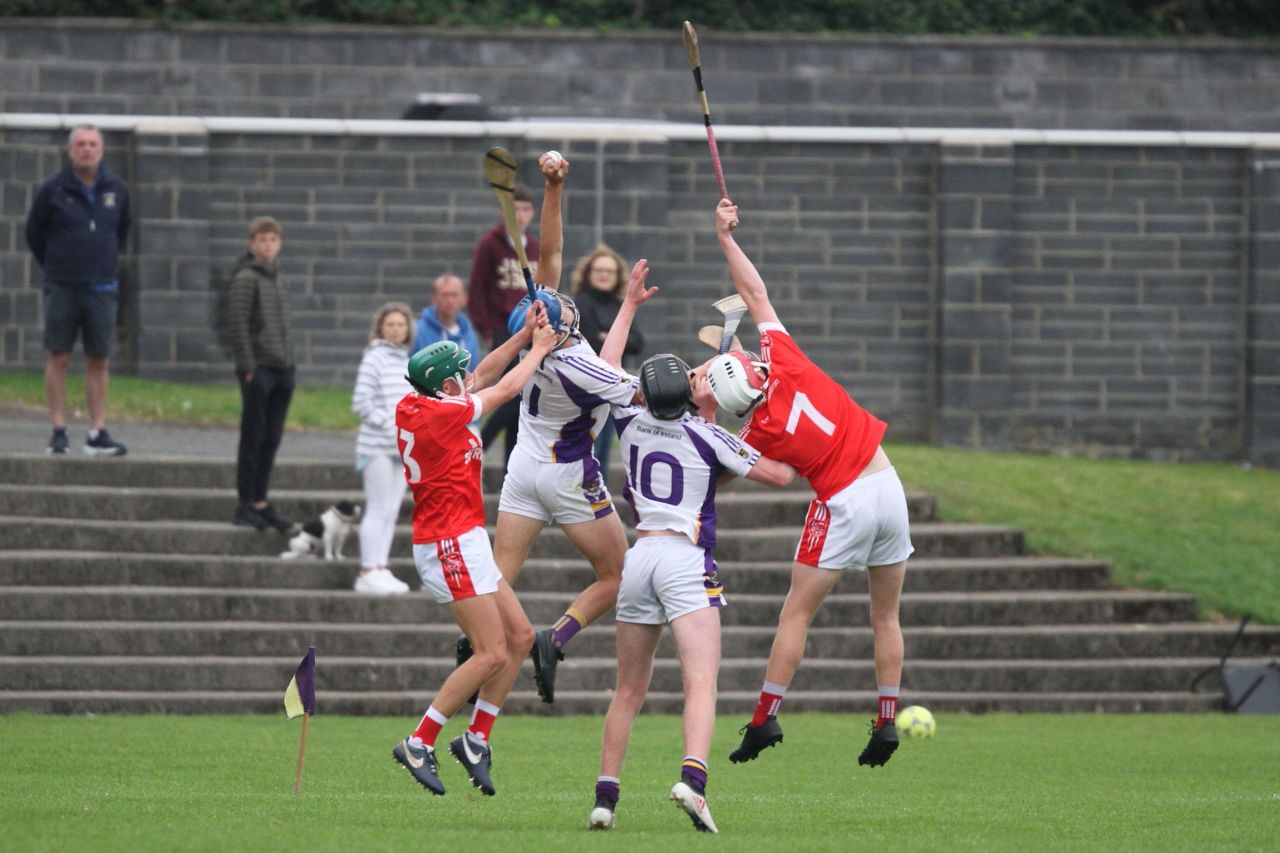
442,458
808,420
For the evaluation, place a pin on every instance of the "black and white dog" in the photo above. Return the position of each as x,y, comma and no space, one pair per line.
326,534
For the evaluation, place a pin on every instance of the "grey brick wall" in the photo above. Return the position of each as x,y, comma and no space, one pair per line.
103,66
1106,300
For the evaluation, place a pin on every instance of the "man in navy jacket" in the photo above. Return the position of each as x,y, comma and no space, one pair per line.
76,228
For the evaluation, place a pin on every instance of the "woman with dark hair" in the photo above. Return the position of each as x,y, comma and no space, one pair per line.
599,284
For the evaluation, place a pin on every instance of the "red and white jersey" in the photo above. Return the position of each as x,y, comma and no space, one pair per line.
808,420
439,441
564,404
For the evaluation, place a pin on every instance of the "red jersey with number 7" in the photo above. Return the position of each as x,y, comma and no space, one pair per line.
442,457
807,420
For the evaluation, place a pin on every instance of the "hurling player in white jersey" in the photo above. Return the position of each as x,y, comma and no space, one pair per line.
858,519
674,460
552,475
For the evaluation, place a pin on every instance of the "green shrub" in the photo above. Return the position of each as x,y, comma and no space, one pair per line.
1240,18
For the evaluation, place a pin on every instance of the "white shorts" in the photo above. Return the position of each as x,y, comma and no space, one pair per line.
458,569
665,577
563,492
864,524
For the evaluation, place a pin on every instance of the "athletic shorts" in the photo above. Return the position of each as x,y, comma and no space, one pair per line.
864,524
563,492
459,568
70,310
665,577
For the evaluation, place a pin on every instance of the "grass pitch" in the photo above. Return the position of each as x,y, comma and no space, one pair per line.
994,782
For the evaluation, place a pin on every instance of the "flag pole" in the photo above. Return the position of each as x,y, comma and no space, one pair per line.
302,754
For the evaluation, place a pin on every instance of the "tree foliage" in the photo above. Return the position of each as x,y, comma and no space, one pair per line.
1152,18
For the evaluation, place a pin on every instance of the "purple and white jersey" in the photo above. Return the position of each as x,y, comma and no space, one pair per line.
672,468
564,406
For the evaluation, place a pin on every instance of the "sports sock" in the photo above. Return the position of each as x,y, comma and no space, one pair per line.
609,788
770,700
482,718
888,705
432,722
566,626
92,434
694,771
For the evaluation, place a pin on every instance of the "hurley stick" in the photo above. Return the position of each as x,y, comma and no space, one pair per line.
695,62
500,172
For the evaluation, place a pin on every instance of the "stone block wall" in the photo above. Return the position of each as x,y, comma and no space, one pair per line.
325,71
1110,299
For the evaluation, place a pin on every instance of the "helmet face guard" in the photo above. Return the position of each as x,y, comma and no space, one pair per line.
734,381
664,381
562,314
432,366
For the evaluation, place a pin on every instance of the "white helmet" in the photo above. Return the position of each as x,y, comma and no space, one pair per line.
734,381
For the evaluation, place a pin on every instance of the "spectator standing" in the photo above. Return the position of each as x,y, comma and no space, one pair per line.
444,319
380,386
599,284
76,227
497,284
259,329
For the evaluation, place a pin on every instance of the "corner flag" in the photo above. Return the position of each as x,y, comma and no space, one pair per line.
300,695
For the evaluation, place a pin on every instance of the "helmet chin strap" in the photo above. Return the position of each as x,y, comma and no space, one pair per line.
458,380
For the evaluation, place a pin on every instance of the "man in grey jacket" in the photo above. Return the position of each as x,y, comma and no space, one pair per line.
258,306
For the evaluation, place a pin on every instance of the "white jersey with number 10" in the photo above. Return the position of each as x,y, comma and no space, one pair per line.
672,467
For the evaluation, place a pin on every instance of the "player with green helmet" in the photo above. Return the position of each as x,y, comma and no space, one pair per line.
430,366
438,438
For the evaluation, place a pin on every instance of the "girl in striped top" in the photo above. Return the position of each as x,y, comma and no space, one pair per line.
380,385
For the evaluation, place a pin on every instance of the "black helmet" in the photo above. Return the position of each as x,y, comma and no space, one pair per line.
664,381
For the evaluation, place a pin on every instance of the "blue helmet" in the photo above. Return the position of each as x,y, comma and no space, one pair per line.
554,302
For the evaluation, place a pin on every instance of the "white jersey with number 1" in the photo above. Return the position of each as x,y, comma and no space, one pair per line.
565,403
672,468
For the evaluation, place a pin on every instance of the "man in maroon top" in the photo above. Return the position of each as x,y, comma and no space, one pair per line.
497,284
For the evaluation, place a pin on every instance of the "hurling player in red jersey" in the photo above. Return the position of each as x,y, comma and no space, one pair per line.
438,433
858,519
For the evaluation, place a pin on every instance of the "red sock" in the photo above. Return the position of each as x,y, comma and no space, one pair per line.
432,722
888,710
482,720
770,699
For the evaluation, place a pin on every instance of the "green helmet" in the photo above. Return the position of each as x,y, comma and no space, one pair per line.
430,366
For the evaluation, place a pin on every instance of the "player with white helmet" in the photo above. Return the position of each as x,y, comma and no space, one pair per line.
438,436
674,461
858,519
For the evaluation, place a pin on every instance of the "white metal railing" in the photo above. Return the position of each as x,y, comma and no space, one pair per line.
622,130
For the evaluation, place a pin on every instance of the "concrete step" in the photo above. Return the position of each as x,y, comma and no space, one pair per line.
169,604
859,705
105,568
931,539
734,508
594,674
436,639
191,472
170,472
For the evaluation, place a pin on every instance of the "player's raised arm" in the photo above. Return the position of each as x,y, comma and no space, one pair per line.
746,278
544,340
637,294
488,370
551,226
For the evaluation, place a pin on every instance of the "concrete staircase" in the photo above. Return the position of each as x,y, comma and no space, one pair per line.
124,588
